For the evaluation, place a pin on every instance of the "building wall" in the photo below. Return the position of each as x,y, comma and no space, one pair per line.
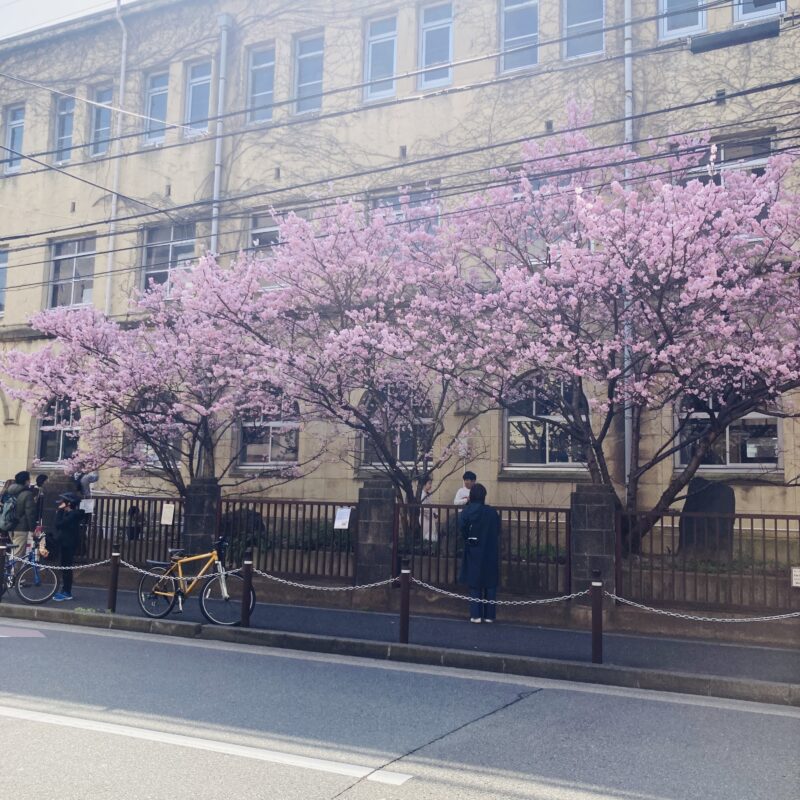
351,145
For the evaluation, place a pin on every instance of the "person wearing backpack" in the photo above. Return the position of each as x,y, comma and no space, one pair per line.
18,512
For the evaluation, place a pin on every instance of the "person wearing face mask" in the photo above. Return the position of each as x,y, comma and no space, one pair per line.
67,535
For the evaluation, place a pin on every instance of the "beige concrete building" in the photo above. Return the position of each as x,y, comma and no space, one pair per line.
216,110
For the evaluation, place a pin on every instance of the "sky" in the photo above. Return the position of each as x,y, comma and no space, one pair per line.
18,16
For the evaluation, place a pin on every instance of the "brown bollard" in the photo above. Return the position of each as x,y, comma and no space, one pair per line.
247,576
113,581
596,593
405,599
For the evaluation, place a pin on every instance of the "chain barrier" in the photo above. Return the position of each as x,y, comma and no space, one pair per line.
322,588
54,567
678,615
542,601
176,577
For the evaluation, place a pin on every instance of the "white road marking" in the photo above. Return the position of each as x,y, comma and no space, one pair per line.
13,632
214,746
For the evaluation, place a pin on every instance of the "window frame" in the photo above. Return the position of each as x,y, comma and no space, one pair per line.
722,166
169,267
316,97
740,17
102,107
504,39
252,105
74,256
422,83
155,135
568,38
369,41
272,426
190,127
10,167
691,30
63,155
63,431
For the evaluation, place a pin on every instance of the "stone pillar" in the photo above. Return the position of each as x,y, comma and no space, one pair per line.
376,500
200,517
592,535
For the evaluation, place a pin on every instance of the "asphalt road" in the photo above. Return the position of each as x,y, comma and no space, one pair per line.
95,714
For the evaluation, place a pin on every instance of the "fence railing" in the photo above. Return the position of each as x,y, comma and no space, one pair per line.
733,561
534,546
291,537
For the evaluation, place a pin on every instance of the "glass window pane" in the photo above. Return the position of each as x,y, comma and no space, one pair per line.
382,61
437,13
681,14
584,23
753,441
382,27
285,444
526,443
49,446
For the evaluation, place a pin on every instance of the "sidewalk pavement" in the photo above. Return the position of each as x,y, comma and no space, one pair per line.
716,659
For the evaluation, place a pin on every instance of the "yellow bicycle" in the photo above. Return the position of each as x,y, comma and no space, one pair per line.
220,596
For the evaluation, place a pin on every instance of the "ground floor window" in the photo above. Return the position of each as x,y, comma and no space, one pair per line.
751,440
58,432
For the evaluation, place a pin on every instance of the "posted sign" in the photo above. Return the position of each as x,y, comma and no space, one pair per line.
342,521
167,513
795,577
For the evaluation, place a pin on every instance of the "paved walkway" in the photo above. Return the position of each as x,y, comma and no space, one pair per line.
649,652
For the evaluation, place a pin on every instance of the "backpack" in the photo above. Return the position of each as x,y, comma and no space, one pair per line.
8,513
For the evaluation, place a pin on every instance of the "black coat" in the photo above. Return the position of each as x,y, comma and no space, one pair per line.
480,529
68,524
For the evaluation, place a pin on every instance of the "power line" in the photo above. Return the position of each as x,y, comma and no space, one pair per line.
423,161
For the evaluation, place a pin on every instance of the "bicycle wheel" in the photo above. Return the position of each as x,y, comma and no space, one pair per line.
222,604
36,583
156,595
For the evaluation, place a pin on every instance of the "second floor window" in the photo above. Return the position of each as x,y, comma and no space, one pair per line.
583,27
262,84
3,278
101,121
745,153
381,57
681,17
264,233
73,273
58,432
156,107
308,73
167,248
751,9
436,45
520,21
15,132
65,122
198,96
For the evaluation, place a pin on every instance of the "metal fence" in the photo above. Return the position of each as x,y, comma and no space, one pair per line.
534,546
291,537
732,561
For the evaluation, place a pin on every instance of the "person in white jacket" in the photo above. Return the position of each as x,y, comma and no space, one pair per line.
462,495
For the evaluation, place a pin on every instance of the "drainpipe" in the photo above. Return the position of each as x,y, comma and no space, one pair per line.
112,225
628,136
225,24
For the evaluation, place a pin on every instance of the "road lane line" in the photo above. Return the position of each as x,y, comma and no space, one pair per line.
214,746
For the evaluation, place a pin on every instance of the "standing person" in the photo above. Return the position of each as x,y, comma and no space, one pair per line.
480,569
24,513
68,522
462,495
430,517
38,493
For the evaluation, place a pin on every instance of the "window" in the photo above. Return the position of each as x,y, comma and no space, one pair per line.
681,18
101,122
436,45
270,441
198,97
534,433
73,273
583,27
3,280
65,119
308,74
58,432
264,233
409,206
381,58
15,132
262,84
741,153
156,108
408,425
167,248
745,10
520,22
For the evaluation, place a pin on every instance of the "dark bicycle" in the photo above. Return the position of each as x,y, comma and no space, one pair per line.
33,581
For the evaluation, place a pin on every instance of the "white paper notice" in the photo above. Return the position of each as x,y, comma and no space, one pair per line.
796,577
87,506
342,521
167,513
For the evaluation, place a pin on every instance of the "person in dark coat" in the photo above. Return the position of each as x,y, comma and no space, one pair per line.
22,534
68,524
480,569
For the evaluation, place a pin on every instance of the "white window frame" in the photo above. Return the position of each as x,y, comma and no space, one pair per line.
13,162
99,138
298,58
721,166
171,265
200,126
73,256
272,427
252,102
567,37
369,91
689,30
65,109
422,82
739,15
507,44
72,426
3,280
152,133
269,231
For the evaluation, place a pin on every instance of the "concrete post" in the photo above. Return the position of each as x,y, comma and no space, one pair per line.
201,515
375,523
592,535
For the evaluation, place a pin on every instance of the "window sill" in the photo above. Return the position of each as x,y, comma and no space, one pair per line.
545,475
742,476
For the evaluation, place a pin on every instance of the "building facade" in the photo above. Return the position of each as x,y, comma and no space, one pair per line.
132,145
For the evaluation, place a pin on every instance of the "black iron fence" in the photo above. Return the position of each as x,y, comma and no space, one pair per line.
534,546
732,561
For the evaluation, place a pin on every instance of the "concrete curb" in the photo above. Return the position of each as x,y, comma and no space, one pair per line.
787,694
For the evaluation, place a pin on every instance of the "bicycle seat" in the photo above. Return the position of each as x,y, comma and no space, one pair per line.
175,552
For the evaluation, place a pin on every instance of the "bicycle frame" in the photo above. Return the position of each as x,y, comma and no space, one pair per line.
187,584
